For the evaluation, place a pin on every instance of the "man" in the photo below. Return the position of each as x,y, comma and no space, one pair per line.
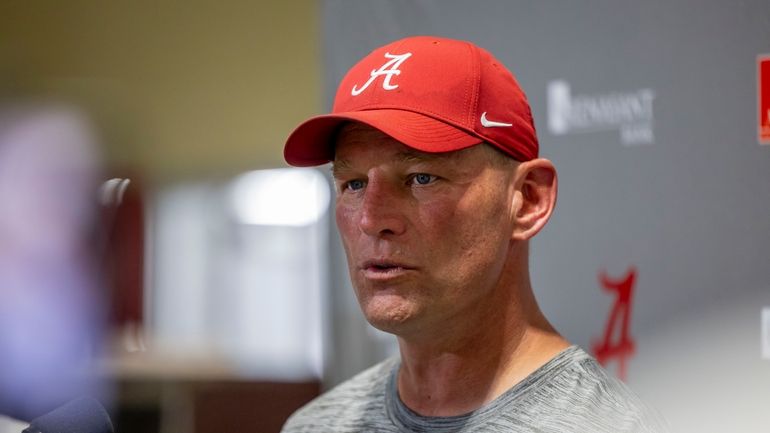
439,190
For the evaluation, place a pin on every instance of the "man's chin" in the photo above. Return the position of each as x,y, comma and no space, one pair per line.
389,317
388,321
391,326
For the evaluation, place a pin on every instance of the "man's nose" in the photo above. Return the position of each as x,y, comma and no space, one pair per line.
382,210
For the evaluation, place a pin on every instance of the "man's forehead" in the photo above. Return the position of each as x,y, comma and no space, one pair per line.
352,133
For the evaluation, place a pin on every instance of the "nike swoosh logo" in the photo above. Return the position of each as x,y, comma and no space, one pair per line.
491,123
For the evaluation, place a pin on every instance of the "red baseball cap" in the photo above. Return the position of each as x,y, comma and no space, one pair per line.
430,93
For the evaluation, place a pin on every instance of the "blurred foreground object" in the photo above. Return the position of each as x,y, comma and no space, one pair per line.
84,415
50,311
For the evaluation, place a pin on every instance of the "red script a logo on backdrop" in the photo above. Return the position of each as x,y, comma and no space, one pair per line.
623,346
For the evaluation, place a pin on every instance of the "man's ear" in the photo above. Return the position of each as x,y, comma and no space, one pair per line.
536,188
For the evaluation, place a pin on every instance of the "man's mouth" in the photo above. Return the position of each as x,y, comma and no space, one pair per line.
379,269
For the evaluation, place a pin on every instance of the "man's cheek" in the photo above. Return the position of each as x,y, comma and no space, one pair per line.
346,225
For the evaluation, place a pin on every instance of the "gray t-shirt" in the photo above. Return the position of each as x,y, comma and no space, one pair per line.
569,393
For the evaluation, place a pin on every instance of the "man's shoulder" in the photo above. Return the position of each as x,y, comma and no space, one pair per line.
584,391
361,397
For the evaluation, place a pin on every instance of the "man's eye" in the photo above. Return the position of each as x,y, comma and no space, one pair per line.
423,178
354,185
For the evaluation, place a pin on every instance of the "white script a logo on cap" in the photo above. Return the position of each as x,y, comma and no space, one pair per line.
389,69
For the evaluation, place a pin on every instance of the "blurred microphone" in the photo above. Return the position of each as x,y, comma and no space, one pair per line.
84,415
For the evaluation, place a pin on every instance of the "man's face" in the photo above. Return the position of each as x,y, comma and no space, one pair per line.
426,235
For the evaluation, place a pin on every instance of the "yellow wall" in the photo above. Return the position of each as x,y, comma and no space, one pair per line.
182,89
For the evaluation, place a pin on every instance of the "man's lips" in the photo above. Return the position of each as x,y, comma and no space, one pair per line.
384,269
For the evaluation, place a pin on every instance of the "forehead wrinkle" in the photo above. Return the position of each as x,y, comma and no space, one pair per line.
411,156
414,155
406,156
364,135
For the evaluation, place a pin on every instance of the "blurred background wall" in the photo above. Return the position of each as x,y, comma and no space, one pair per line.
184,89
649,111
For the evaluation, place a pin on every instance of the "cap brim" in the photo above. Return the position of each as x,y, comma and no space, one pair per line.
311,143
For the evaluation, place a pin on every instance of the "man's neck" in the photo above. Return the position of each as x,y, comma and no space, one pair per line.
460,373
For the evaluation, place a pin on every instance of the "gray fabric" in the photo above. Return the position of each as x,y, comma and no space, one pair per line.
570,393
